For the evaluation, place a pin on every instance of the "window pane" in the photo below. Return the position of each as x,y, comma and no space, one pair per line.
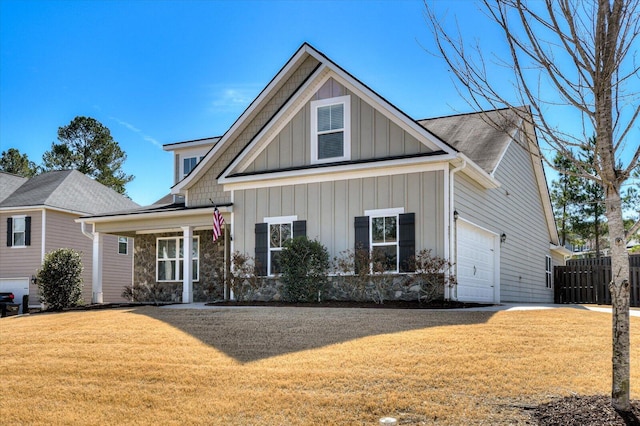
377,230
166,270
331,145
194,269
337,117
275,262
385,258
274,232
390,229
122,245
194,249
18,224
285,232
18,238
324,118
163,249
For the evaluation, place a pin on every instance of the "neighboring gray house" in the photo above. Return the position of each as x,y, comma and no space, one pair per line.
38,215
321,154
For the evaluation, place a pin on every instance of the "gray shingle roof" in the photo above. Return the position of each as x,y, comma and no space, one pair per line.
482,139
9,183
68,190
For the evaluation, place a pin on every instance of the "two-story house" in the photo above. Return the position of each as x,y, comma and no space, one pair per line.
38,215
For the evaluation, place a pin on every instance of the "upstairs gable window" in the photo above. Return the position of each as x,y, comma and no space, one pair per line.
330,130
189,164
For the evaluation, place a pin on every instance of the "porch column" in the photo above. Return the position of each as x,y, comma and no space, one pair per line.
187,273
96,270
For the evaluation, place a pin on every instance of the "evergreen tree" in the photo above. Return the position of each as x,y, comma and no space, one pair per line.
12,161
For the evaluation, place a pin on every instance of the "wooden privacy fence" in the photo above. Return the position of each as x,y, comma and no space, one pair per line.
587,281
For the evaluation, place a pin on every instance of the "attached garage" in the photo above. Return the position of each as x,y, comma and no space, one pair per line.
18,286
478,267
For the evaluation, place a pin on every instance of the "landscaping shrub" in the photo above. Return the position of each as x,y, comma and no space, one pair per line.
431,275
304,269
60,279
363,275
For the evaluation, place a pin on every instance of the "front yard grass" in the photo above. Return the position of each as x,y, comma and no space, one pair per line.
300,366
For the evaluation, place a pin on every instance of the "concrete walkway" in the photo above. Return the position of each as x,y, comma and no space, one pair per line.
634,312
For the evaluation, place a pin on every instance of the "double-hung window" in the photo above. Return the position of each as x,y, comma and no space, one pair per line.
549,271
170,256
279,233
123,245
389,237
18,231
330,130
384,238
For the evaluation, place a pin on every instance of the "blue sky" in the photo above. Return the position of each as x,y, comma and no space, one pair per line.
157,72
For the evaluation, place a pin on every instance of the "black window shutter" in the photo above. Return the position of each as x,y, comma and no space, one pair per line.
262,241
299,228
362,240
407,240
9,232
27,231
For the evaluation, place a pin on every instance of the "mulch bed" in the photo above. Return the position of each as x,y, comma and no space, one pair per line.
391,304
581,410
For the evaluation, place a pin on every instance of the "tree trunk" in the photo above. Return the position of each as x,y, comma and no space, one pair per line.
619,287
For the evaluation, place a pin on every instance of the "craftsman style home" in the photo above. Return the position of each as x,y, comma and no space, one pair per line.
318,153
38,215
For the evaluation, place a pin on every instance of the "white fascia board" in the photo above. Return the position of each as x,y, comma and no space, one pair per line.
560,249
478,174
153,215
190,144
343,172
203,166
278,122
40,208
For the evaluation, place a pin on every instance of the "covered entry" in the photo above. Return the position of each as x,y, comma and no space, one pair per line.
477,264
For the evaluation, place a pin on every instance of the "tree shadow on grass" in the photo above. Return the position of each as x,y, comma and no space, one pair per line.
251,334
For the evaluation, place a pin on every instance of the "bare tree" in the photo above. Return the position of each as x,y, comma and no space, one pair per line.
576,57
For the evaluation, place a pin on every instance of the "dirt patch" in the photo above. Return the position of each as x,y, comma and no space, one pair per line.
580,410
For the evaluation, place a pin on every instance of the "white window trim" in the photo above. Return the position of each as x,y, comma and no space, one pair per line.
126,251
13,232
276,220
178,259
346,101
386,213
548,271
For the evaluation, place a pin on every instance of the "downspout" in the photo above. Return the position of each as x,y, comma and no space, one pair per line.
453,248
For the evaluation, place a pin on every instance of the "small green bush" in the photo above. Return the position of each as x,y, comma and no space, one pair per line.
304,265
60,279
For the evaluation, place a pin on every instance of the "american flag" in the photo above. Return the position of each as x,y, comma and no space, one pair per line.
218,221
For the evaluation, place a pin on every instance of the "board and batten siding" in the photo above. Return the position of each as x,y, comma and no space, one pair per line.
372,136
22,262
514,209
330,208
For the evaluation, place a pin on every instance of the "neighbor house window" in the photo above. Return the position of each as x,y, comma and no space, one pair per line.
389,236
330,130
169,258
19,231
123,245
549,272
189,164
271,236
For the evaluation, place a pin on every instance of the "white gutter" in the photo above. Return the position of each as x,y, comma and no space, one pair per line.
453,252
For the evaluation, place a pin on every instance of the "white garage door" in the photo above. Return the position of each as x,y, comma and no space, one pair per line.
476,264
18,286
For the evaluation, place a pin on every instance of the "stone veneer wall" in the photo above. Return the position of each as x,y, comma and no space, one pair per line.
210,284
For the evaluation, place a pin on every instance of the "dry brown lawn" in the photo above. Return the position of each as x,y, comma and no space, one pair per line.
300,366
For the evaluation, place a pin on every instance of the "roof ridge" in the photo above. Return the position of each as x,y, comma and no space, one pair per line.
467,113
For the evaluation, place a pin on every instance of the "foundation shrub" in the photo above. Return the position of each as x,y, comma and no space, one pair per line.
304,270
242,278
431,275
60,279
